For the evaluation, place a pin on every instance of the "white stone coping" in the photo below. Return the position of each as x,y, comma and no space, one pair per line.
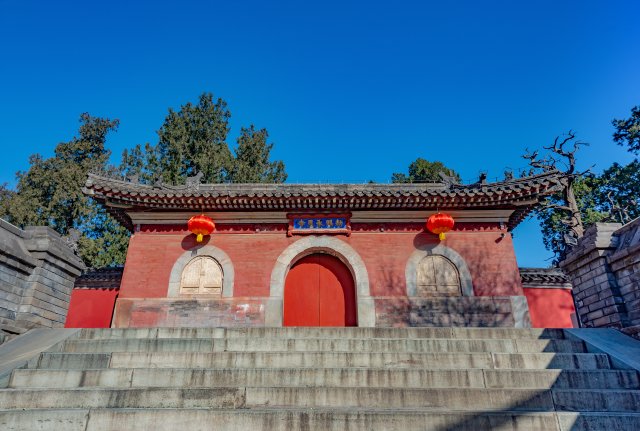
17,352
623,350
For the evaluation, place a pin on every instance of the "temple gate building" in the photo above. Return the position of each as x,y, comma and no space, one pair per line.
442,338
321,255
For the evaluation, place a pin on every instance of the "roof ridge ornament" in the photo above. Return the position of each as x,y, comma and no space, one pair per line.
158,183
448,180
193,183
71,240
135,179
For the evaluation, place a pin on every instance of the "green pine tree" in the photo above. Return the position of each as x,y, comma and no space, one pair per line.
49,193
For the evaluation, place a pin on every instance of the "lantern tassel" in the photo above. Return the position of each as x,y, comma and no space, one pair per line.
441,236
199,238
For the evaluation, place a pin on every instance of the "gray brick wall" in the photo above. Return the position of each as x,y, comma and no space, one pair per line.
605,272
37,273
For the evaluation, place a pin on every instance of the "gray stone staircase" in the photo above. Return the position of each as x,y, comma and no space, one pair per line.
320,379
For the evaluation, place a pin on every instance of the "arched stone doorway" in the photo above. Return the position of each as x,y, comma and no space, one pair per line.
366,315
319,291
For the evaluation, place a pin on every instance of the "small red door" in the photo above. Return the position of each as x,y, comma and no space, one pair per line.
319,291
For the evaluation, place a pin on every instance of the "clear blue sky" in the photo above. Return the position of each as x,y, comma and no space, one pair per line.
349,91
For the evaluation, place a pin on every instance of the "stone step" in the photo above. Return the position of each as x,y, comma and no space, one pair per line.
600,400
326,397
320,419
323,344
323,360
464,333
225,397
354,377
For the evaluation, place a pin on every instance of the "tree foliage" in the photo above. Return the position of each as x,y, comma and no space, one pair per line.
50,193
424,171
105,241
611,196
252,164
619,192
191,140
194,139
141,162
6,194
556,232
628,131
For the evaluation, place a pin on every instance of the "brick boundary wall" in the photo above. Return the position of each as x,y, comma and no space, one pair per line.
37,274
549,294
605,271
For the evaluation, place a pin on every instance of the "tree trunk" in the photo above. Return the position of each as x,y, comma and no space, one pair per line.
576,218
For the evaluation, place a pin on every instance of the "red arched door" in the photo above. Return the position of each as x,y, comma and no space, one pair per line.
319,291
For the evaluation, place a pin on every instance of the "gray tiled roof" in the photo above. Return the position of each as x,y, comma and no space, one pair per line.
544,277
520,194
101,278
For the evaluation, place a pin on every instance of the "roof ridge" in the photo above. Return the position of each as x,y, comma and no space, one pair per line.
104,176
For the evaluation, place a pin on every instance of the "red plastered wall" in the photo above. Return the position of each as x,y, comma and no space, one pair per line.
91,308
153,252
550,308
489,258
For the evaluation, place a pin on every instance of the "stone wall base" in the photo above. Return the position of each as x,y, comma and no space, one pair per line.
469,311
478,311
196,313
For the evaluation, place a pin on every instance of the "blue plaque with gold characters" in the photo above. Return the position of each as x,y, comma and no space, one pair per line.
303,224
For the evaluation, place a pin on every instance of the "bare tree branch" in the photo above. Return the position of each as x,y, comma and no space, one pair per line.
548,205
569,205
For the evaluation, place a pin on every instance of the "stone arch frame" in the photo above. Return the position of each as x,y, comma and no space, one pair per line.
320,244
411,270
228,273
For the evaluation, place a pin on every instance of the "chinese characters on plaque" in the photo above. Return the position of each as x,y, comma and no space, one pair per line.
326,224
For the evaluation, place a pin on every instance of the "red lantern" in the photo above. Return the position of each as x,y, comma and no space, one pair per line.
440,223
201,225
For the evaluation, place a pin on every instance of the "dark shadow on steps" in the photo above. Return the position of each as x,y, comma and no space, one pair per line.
569,393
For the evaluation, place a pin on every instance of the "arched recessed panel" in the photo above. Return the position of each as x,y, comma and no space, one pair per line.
437,276
191,275
202,275
423,272
218,273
